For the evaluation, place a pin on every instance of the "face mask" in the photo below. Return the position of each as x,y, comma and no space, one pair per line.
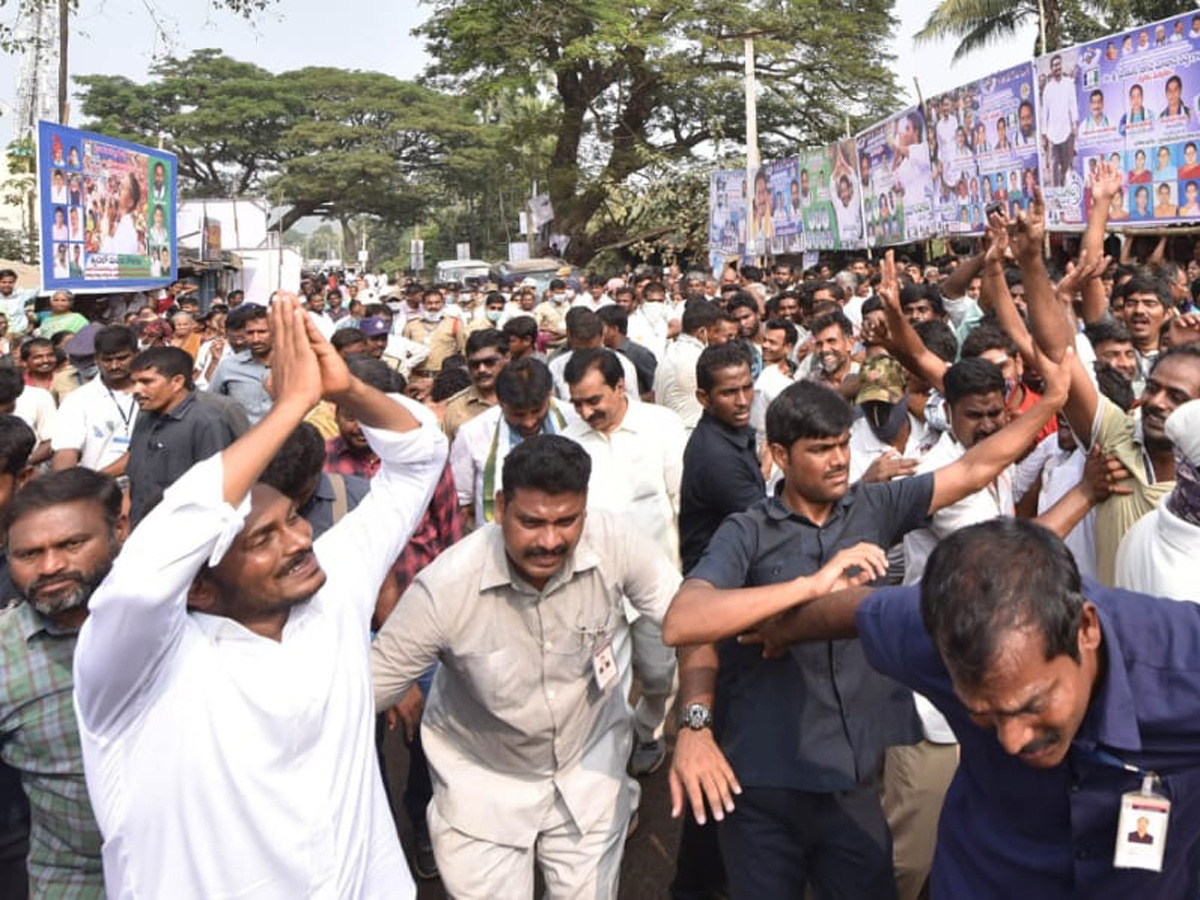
886,420
433,317
493,315
559,296
452,298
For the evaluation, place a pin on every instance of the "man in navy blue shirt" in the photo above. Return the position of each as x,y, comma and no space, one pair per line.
803,737
1062,693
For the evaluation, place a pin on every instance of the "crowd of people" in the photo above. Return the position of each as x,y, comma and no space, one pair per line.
888,562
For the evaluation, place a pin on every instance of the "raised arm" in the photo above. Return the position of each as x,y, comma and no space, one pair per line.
1105,185
903,340
995,293
138,612
980,465
956,283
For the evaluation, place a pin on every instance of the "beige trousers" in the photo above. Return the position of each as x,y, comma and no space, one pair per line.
915,779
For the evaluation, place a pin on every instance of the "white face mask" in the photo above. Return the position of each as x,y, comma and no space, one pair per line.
433,316
559,296
493,315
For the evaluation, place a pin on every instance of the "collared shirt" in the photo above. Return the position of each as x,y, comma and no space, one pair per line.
96,421
706,499
515,716
166,445
866,447
1060,109
224,764
1011,830
480,448
818,719
644,362
1120,434
244,379
675,379
558,368
447,339
40,740
993,501
13,306
636,470
462,408
320,511
770,383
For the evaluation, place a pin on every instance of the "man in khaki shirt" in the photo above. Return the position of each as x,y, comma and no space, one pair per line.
487,355
527,729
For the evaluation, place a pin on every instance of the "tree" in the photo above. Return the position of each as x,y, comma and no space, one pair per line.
979,23
652,84
329,142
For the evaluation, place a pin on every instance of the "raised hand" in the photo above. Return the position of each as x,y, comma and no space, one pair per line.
1079,275
998,225
335,377
889,286
295,371
1106,182
1028,230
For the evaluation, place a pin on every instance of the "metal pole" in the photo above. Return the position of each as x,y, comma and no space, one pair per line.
64,30
1042,23
752,158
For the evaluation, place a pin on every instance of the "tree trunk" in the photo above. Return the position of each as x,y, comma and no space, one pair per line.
1053,20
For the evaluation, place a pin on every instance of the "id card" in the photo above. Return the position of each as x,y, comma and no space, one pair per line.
1142,830
604,666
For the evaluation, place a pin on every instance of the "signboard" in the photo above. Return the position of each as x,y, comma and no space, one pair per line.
210,240
462,251
727,210
895,179
518,251
416,255
540,211
829,198
107,212
983,147
785,220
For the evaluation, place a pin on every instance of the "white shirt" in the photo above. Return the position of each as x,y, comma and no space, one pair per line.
1060,109
946,131
1060,471
675,380
636,470
562,390
992,502
865,447
124,239
37,408
769,384
472,448
97,422
223,764
1158,556
849,222
648,325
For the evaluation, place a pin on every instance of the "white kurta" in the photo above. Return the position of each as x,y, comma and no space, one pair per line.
224,764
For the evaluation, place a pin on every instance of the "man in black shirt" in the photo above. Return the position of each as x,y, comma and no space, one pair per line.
177,427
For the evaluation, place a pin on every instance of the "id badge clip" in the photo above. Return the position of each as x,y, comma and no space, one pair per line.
1142,828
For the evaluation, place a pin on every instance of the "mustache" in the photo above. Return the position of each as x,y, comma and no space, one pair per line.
64,597
1039,744
294,560
555,553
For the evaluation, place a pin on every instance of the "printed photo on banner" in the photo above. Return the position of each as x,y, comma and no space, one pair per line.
783,183
830,197
108,211
894,174
983,147
727,211
1131,100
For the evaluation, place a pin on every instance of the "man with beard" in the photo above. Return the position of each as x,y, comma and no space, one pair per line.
177,425
832,343
528,726
63,531
94,424
527,406
242,376
1060,119
221,679
1145,306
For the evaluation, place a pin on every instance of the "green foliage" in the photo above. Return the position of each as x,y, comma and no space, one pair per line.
645,87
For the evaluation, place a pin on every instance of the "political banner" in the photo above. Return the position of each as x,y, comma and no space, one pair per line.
895,179
783,186
727,210
829,198
107,212
983,145
1131,100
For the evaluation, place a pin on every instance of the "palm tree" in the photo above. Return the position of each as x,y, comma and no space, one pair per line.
978,23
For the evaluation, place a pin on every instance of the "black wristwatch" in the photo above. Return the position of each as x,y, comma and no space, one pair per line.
696,716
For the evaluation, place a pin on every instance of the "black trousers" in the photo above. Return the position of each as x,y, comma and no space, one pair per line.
699,871
778,841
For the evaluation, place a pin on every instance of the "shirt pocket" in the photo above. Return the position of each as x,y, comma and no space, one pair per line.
494,677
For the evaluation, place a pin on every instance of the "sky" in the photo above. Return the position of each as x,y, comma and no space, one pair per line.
123,37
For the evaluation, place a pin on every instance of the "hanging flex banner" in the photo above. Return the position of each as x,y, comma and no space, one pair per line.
983,145
783,187
830,198
107,212
727,211
896,180
1130,100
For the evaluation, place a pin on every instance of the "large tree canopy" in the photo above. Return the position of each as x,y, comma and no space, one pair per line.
326,141
651,83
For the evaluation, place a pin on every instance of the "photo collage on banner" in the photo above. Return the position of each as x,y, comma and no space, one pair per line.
829,198
726,216
1130,100
108,211
983,145
783,187
895,178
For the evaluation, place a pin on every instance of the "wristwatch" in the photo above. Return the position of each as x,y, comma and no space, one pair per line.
696,716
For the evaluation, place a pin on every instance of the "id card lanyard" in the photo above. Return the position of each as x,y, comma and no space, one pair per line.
1142,826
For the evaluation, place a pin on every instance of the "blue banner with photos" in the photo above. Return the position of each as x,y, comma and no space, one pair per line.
107,212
